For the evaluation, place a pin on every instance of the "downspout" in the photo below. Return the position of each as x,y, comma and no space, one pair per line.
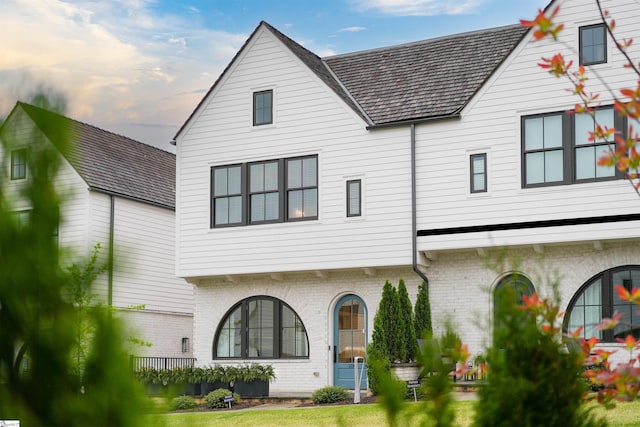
110,262
414,225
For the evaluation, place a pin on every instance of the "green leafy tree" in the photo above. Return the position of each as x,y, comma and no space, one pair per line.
40,384
533,380
407,332
422,310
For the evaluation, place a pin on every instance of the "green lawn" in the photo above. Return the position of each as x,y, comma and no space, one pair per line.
625,415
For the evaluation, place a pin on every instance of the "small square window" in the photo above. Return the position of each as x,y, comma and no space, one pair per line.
593,44
478,173
19,164
354,198
263,107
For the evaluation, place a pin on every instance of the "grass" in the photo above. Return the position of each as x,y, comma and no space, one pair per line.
624,415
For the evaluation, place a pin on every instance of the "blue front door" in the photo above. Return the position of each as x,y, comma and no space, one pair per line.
350,341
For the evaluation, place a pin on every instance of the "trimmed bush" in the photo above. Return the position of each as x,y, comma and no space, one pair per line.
406,329
183,402
331,394
422,313
215,399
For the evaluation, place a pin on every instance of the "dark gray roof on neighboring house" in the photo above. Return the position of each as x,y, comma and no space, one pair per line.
112,163
430,78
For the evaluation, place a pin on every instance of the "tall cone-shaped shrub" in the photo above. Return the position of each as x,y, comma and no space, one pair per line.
406,329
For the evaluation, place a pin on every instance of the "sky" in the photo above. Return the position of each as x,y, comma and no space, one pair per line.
139,67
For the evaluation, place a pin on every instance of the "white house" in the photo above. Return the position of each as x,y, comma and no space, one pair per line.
118,193
303,183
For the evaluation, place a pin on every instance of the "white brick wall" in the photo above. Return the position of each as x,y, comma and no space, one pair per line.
461,284
312,298
163,330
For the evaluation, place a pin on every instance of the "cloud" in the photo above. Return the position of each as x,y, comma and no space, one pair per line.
353,29
419,7
119,62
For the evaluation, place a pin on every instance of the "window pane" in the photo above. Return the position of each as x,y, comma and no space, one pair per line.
535,168
294,174
272,206
260,328
235,210
309,178
230,336
222,211
593,317
604,171
235,180
263,107
553,166
310,203
294,338
478,164
257,207
295,204
583,125
478,183
593,294
553,131
604,117
533,134
257,177
271,176
220,182
585,162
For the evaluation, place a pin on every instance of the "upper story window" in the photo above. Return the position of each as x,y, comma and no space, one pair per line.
557,150
227,195
19,164
302,188
263,107
354,197
478,170
593,44
267,191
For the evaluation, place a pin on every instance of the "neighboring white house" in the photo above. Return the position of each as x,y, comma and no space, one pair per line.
303,183
118,193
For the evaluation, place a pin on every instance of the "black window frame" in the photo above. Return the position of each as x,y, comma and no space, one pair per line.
241,193
278,190
581,37
278,306
256,96
303,187
568,148
606,300
473,173
245,193
350,198
18,164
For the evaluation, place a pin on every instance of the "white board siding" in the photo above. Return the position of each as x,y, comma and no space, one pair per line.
492,122
308,119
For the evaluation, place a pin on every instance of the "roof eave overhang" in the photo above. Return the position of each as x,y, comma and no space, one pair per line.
408,122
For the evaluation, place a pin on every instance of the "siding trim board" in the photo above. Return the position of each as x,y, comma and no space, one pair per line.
529,224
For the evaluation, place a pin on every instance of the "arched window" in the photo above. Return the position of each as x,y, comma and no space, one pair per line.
511,289
597,299
261,327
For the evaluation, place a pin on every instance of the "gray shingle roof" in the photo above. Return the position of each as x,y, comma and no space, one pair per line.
112,163
429,78
421,80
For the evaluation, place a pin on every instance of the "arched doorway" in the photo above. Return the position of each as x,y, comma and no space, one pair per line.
350,340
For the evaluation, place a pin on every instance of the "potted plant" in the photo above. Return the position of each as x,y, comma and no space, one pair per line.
252,380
